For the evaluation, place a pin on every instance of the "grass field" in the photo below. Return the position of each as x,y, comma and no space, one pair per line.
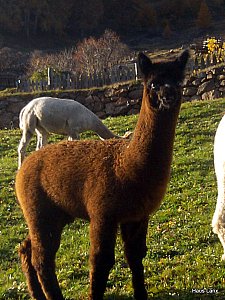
184,256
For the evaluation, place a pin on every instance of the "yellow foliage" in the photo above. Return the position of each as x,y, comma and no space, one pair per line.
212,45
217,48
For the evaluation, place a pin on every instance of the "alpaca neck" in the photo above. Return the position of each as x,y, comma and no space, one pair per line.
102,131
149,153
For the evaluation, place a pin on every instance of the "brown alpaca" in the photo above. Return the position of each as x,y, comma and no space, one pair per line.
111,183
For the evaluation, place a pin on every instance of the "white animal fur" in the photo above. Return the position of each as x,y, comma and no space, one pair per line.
53,115
218,221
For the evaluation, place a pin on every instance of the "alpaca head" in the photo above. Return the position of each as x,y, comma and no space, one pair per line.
163,80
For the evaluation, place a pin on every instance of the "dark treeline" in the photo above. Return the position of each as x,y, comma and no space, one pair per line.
80,18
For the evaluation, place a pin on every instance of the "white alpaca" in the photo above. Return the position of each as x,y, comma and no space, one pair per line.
218,221
62,116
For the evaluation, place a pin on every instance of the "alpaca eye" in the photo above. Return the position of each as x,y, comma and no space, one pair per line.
154,87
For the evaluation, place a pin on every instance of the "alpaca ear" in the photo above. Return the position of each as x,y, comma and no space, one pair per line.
183,59
144,63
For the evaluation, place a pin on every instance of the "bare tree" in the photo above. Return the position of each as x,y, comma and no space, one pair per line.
65,60
91,55
86,55
59,62
95,55
204,18
12,61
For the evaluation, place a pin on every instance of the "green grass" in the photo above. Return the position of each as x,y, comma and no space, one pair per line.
183,252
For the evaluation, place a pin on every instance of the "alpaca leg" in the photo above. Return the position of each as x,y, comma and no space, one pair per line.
45,233
218,222
102,237
26,137
42,138
34,286
39,140
134,237
43,260
221,236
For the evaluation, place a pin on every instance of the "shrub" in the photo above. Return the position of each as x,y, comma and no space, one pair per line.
216,47
40,62
96,55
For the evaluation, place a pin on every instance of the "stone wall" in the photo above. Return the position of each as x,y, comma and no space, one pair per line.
114,101
117,100
205,85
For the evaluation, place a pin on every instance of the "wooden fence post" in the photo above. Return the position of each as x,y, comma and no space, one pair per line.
136,71
50,75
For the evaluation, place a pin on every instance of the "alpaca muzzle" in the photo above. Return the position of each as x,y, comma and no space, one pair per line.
163,97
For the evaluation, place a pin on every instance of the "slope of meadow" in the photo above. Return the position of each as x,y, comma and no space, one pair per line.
184,256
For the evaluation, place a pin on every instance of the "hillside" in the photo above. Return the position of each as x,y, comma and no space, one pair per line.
184,256
144,40
140,23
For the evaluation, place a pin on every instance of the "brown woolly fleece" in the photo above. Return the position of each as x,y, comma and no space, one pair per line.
110,183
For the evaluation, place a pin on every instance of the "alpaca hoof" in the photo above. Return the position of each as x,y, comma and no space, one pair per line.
141,295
